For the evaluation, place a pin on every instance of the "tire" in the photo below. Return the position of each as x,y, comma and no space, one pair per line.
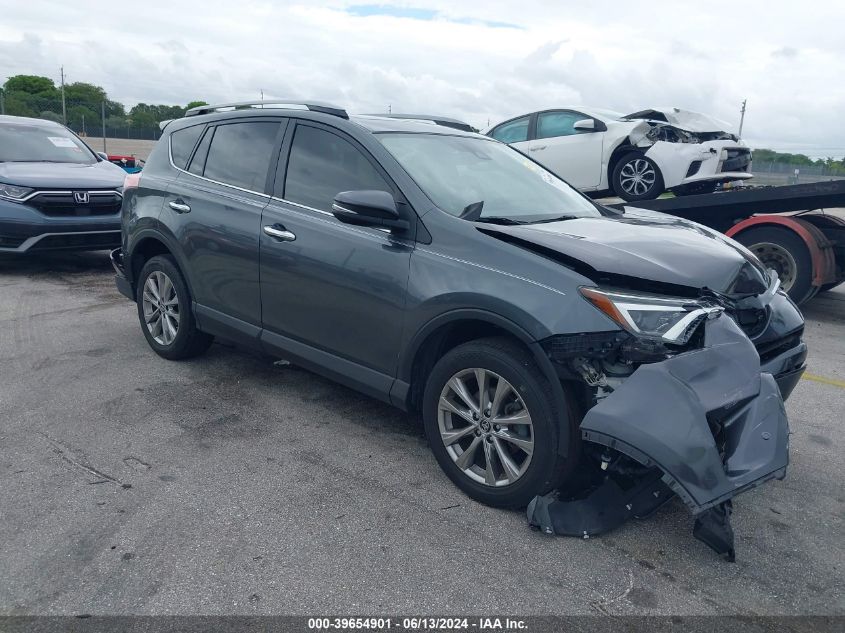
787,253
501,360
696,189
625,184
160,273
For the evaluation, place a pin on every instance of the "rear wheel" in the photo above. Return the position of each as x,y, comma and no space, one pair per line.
164,309
786,253
489,417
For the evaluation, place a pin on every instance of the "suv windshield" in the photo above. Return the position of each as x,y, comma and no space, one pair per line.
457,172
33,143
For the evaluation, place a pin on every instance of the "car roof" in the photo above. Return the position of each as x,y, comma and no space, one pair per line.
25,120
371,123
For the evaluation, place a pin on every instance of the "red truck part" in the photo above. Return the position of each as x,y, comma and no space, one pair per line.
774,239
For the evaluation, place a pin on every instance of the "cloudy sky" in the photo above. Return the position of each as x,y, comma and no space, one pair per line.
478,60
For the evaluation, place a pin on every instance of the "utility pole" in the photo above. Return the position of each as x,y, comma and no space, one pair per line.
742,117
83,125
262,97
64,109
103,119
389,108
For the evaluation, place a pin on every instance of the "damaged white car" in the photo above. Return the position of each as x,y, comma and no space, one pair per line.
636,156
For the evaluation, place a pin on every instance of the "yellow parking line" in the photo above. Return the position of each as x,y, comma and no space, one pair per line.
825,381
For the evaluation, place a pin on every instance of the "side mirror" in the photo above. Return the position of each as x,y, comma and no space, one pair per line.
368,208
103,155
585,124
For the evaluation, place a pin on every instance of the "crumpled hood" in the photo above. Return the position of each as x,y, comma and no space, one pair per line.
99,175
646,245
683,119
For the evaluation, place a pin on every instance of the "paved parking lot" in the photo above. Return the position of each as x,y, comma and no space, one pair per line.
228,484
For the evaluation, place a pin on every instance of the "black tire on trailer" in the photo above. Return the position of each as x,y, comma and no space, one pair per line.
696,188
785,252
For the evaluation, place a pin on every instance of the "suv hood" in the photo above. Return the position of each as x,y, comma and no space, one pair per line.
99,175
644,245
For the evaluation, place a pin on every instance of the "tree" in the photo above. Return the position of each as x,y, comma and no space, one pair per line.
31,84
195,104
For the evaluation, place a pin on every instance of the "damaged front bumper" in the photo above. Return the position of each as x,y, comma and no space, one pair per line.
712,423
705,425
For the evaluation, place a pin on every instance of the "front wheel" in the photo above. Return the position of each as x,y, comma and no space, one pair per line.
489,416
637,177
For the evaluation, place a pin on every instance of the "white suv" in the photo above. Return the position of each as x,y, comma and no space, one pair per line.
637,156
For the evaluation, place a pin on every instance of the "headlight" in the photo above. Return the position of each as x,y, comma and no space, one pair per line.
671,134
13,192
672,320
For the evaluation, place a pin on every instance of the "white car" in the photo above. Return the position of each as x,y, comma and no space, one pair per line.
637,156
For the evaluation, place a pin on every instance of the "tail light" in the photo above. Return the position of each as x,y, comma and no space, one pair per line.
131,181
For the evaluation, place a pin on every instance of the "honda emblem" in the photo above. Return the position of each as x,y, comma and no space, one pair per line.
81,197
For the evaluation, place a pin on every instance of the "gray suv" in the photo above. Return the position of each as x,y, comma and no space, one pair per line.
546,340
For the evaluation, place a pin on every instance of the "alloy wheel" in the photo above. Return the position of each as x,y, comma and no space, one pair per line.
637,177
485,427
161,308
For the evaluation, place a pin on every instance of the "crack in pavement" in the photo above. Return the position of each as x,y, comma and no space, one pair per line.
64,452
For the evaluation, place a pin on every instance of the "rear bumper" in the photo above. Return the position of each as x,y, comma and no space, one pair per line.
120,280
708,419
24,229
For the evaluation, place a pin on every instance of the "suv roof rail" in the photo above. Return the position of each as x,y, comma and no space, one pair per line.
314,106
433,118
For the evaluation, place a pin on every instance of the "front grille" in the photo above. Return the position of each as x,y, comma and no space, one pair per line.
93,241
65,204
772,349
737,160
10,242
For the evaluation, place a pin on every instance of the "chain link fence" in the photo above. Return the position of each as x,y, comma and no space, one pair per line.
772,173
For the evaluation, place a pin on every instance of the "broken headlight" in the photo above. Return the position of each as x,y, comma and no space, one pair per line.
671,134
669,320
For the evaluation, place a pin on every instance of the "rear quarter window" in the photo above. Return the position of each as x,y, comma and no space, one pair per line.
182,143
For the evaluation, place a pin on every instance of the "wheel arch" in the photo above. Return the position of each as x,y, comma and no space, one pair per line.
149,243
821,249
447,331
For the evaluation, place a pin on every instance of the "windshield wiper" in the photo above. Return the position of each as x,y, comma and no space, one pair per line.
559,218
494,219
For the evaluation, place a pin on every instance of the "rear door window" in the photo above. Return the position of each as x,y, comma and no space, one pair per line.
515,131
240,154
323,164
197,165
182,144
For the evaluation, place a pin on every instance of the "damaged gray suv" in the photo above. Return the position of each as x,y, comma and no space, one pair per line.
561,353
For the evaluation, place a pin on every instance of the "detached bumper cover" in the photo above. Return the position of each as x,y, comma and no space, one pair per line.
668,415
120,280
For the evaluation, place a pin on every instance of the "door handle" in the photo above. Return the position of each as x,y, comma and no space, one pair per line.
537,148
279,232
179,206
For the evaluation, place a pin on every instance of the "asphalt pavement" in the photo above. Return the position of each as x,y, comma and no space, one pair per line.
232,485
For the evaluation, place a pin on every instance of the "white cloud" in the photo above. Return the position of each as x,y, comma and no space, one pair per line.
461,62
